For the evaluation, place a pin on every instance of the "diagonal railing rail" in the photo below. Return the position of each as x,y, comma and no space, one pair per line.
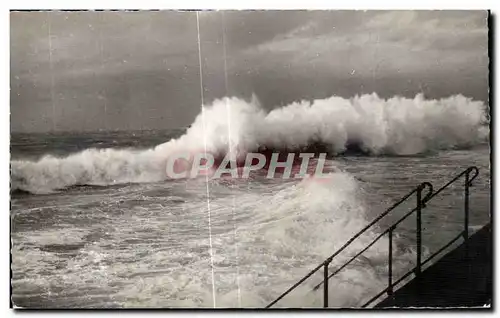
470,174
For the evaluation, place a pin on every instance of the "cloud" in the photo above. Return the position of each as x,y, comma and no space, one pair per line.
389,42
148,61
135,62
101,42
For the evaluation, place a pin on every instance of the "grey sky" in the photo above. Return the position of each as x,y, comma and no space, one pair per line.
140,70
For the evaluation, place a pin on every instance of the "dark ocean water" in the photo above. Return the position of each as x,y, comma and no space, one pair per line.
33,146
151,244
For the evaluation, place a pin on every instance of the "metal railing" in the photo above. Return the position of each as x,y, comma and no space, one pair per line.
470,174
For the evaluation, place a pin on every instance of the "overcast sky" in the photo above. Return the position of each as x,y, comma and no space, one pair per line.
140,70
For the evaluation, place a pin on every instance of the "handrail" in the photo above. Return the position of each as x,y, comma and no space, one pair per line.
389,230
468,180
421,203
418,189
411,271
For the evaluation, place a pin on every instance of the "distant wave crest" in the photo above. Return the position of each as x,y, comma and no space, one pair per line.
365,124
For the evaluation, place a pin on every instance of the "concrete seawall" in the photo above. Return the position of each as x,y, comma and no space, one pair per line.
458,279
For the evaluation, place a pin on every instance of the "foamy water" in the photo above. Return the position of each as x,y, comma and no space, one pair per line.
140,240
396,126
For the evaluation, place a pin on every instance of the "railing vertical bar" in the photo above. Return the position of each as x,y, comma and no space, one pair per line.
325,285
389,290
466,213
419,231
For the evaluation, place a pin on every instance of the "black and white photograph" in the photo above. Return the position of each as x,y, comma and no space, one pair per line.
263,159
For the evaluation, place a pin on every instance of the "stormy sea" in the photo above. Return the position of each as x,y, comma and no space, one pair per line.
95,221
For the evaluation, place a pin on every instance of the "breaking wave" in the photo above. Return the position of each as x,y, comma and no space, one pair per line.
365,124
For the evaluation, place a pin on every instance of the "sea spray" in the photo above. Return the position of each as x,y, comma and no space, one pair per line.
368,124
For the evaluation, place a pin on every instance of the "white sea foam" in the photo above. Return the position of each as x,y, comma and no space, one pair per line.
375,126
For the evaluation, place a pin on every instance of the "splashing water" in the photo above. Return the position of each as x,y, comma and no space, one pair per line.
373,126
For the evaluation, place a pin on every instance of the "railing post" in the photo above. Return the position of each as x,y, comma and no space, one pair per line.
325,284
466,213
419,231
389,288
